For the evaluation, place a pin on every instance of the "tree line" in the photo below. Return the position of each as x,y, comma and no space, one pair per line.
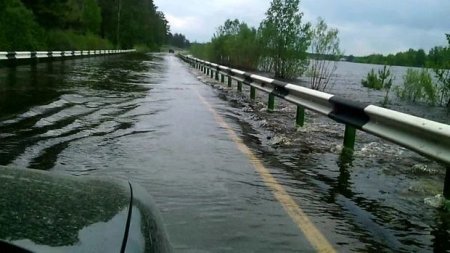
409,58
281,45
81,24
178,40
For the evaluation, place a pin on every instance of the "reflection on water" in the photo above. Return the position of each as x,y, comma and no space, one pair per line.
56,103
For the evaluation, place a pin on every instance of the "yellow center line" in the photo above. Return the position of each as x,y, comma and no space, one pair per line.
312,233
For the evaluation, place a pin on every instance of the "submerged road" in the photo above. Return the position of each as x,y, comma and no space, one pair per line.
151,120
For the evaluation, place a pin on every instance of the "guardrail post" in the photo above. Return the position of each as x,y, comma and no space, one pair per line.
217,75
239,86
207,71
447,183
222,78
229,81
349,137
212,73
300,118
252,92
271,103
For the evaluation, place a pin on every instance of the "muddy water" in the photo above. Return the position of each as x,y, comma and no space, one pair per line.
138,117
374,195
346,83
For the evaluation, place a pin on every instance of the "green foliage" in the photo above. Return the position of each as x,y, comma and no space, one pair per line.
240,47
69,40
372,81
324,45
178,40
79,24
440,63
91,17
234,44
284,39
446,206
18,30
417,86
130,22
379,81
413,58
201,51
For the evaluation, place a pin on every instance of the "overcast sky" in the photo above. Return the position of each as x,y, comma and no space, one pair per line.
365,26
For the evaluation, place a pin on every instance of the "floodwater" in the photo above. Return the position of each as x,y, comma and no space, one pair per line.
140,117
347,83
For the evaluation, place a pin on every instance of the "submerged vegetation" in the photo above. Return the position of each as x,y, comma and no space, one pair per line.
418,84
380,81
80,24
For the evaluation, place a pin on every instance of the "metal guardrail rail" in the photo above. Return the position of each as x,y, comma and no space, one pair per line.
23,55
426,137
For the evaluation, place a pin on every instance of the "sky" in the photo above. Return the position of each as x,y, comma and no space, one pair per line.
365,26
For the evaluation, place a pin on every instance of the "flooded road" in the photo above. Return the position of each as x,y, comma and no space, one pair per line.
141,118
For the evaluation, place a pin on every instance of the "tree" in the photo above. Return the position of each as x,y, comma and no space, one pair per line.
441,68
221,41
324,45
135,22
18,29
284,39
79,24
178,40
91,16
420,57
235,44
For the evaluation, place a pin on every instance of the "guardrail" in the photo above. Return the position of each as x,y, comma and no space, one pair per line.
36,55
426,137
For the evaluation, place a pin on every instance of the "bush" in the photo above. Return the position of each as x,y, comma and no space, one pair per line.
69,40
382,80
372,81
417,86
201,51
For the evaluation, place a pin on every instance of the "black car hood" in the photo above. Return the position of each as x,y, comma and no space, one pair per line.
47,212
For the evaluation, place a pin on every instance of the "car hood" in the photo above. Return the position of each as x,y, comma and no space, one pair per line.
48,212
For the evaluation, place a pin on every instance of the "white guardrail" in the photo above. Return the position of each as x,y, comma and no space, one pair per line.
426,137
21,55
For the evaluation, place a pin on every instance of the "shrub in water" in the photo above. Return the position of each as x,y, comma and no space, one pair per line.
381,81
417,86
